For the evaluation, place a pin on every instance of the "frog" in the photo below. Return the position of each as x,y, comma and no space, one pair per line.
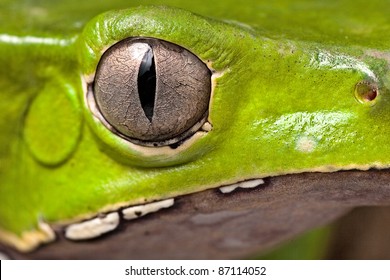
98,116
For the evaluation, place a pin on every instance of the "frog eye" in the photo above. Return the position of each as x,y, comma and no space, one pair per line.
152,92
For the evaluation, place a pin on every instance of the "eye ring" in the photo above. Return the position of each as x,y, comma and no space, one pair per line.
150,107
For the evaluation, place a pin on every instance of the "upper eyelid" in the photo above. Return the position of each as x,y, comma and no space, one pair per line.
202,37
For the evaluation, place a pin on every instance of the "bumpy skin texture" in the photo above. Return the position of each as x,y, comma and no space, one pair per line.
283,102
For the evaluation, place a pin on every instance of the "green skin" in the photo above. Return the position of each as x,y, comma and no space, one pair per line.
283,102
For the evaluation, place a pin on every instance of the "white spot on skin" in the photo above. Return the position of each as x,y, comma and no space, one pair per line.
3,256
245,185
306,144
92,228
134,212
206,126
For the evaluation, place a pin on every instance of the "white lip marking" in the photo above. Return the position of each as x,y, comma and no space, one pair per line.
3,256
29,240
92,228
134,212
207,126
245,185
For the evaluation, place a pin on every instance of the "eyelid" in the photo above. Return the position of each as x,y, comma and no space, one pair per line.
202,36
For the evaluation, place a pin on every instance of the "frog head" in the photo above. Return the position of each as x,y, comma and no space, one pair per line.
150,103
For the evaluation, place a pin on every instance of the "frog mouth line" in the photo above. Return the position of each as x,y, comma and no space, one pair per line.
101,224
105,223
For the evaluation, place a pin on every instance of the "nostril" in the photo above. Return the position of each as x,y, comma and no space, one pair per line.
366,92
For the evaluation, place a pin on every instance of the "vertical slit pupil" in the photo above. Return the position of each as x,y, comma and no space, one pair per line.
147,83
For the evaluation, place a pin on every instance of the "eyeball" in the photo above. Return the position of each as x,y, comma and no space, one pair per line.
152,92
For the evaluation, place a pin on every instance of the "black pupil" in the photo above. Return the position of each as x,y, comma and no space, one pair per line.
147,83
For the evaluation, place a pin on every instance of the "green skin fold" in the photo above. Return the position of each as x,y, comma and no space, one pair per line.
283,101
